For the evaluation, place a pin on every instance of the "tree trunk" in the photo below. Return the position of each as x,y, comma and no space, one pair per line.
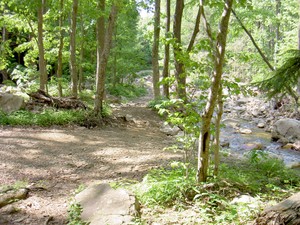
218,131
73,69
42,61
286,212
81,54
204,137
179,67
298,85
196,30
100,31
155,50
165,74
60,49
98,104
277,30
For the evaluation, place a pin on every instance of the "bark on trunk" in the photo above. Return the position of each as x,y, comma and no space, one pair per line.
81,54
286,212
100,30
60,49
204,137
165,74
99,98
73,66
42,61
218,130
196,30
179,67
155,50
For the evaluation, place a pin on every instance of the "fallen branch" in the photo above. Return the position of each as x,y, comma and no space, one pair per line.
61,103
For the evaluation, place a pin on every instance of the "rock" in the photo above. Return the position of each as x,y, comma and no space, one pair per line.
286,212
103,205
12,195
168,130
286,130
244,199
129,118
288,146
10,102
242,101
245,131
252,146
261,125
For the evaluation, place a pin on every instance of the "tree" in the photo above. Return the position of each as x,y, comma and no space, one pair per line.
179,66
42,61
218,61
73,67
165,73
155,50
60,49
100,80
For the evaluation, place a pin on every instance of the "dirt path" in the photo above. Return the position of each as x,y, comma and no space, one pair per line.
55,161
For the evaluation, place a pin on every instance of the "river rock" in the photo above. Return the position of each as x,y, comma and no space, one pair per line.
10,103
286,130
103,205
261,125
245,131
252,146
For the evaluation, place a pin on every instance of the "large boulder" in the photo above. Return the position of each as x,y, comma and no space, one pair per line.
285,212
286,130
103,205
10,102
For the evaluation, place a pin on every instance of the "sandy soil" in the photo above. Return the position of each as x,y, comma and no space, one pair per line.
54,162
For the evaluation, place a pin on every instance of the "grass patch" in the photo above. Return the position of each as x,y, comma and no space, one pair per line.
47,117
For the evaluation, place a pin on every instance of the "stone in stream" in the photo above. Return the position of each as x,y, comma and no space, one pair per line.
286,130
261,125
245,131
103,205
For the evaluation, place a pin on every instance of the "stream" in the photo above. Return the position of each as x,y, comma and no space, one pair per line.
258,139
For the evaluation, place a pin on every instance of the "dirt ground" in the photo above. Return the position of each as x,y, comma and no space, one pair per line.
55,161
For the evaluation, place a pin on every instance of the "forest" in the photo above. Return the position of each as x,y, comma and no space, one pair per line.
210,88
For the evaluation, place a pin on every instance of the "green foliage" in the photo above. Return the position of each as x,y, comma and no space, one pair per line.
284,79
165,187
260,176
47,117
74,213
126,90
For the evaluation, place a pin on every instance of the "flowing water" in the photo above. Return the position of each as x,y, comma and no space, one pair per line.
258,139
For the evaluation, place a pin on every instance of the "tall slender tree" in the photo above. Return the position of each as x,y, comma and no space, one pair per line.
165,73
60,48
100,85
73,66
155,50
218,61
179,66
42,61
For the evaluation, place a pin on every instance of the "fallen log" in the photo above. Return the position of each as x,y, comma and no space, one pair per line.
41,97
285,212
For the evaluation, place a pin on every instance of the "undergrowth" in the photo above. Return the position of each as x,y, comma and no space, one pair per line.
47,117
127,90
262,181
